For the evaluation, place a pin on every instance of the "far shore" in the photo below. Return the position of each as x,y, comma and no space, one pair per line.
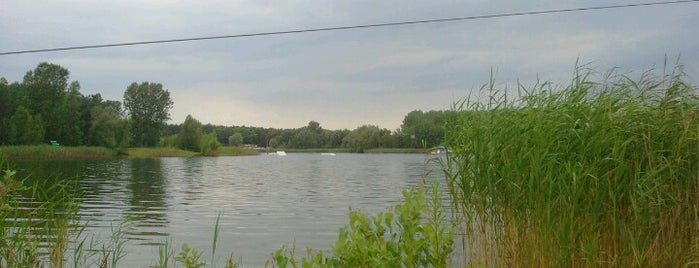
47,152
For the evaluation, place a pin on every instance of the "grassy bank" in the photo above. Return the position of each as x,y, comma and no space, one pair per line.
396,151
235,151
349,150
159,152
46,152
599,174
176,152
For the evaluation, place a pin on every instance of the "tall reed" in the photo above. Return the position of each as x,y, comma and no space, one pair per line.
35,221
598,174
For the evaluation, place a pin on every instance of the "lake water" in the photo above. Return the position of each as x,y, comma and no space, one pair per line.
264,201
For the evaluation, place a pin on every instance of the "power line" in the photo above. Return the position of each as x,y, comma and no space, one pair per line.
388,24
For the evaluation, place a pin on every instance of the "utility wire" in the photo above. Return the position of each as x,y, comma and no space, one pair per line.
388,24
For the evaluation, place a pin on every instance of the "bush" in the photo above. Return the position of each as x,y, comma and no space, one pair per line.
414,234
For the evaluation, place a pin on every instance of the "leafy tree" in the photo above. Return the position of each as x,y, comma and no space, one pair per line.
44,86
67,125
364,137
9,100
87,104
190,135
425,127
309,136
148,106
209,144
44,90
236,139
108,128
25,128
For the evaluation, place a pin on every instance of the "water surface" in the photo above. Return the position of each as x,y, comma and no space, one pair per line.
264,201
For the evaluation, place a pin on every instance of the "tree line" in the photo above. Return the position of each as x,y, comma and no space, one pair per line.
46,106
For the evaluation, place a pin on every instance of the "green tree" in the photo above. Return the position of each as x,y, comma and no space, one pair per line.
44,86
190,135
25,128
236,139
209,144
425,127
67,117
364,137
108,128
309,136
8,104
148,106
48,93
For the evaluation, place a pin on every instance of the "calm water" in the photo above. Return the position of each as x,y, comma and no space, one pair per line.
265,201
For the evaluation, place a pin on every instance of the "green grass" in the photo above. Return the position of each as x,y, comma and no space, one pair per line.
349,150
396,151
159,152
598,174
46,152
311,150
235,151
175,152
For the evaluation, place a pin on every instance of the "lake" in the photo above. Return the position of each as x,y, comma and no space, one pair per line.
264,201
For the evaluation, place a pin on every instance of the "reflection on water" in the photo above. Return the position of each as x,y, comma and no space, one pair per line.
264,201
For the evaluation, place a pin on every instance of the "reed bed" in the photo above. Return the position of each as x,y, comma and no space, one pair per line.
46,152
599,174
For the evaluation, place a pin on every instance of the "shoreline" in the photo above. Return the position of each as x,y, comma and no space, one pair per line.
47,152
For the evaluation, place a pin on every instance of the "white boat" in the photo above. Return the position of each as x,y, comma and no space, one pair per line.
281,153
328,154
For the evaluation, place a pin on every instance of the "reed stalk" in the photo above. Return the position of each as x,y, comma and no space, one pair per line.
598,174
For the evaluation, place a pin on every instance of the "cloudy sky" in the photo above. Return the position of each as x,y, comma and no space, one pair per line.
342,79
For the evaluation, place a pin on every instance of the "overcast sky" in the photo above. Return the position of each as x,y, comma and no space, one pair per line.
341,79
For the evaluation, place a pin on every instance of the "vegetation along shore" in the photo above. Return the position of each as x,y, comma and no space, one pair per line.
601,173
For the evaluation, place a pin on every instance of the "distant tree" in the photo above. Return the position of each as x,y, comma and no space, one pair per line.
67,117
425,128
87,103
108,128
314,126
190,136
333,138
25,129
209,144
148,106
362,138
48,93
9,100
236,139
44,86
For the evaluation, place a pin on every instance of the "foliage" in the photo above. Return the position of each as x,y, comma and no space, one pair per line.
366,137
596,174
25,128
190,136
46,152
425,127
209,144
108,129
415,234
41,229
158,152
189,257
236,139
50,107
148,106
